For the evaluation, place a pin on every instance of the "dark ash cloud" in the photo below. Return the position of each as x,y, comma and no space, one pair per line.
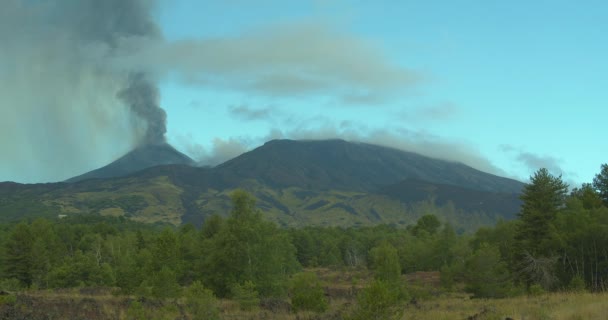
67,107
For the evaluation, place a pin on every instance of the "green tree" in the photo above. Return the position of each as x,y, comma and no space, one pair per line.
249,248
486,275
587,195
211,226
542,198
246,295
164,284
428,223
307,293
18,254
600,183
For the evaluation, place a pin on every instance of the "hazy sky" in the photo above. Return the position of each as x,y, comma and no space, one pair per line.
504,86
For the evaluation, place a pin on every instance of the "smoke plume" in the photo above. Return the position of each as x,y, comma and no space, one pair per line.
114,24
142,97
66,106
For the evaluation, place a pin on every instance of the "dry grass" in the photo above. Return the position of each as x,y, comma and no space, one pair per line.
558,306
342,286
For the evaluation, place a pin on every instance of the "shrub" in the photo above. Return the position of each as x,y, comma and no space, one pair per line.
201,303
164,284
536,290
136,311
378,301
307,293
577,284
246,295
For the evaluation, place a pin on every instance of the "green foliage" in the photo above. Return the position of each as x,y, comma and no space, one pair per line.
577,284
307,293
600,183
81,269
536,290
164,284
249,249
10,299
10,285
246,295
18,258
428,223
201,303
378,301
542,199
385,263
136,311
486,275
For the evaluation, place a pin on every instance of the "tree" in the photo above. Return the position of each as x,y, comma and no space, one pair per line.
247,248
542,198
486,275
427,223
18,254
246,295
600,183
588,196
164,284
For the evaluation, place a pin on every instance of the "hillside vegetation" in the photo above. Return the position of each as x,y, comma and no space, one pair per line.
296,184
558,244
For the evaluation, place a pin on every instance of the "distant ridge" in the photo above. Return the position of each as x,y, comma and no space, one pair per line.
338,164
296,184
141,158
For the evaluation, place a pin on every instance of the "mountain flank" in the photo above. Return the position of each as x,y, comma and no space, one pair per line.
141,158
297,183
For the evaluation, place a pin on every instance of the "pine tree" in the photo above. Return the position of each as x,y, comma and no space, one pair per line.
18,254
542,198
600,183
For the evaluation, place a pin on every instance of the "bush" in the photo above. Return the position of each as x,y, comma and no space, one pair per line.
577,284
11,284
487,276
201,303
246,295
164,284
136,311
536,290
307,293
378,301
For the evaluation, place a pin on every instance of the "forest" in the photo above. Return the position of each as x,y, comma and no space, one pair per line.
558,243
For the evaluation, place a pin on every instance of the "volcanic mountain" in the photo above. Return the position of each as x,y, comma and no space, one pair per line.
338,164
143,157
296,183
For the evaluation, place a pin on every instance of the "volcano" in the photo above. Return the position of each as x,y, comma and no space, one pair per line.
143,157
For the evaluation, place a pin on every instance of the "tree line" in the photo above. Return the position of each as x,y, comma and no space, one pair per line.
559,241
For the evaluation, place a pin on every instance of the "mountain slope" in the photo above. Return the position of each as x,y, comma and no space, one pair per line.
136,160
297,183
337,164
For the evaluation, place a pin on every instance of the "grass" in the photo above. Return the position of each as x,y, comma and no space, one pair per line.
558,306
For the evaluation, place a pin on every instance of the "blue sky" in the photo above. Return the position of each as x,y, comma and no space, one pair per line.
504,86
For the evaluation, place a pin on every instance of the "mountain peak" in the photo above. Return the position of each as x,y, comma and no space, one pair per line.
140,158
339,164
